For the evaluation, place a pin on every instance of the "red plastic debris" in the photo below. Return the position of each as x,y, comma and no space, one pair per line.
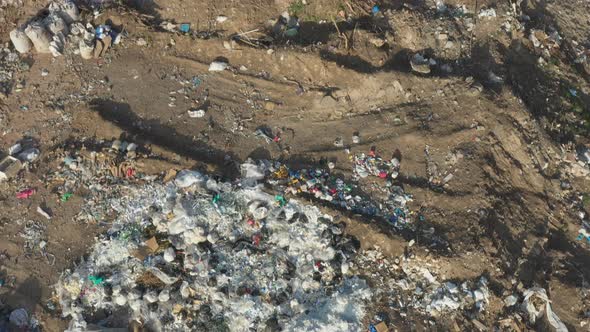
130,172
26,193
382,174
256,239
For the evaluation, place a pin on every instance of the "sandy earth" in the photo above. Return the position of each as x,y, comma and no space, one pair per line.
504,213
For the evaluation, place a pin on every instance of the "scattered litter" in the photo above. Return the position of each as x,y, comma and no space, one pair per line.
26,193
13,150
9,167
185,27
286,26
20,319
510,300
44,213
380,327
420,64
196,113
65,197
29,155
487,13
218,66
538,310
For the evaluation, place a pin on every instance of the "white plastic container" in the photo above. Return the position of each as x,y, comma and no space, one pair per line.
21,42
39,36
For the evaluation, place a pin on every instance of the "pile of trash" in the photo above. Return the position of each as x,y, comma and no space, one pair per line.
61,28
10,64
200,254
371,164
18,320
410,284
101,170
321,184
546,45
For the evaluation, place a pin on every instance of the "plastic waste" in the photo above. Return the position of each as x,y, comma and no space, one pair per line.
258,247
66,9
218,66
24,194
184,27
39,36
29,155
511,300
15,149
21,42
20,318
186,178
536,312
56,24
196,113
487,13
420,64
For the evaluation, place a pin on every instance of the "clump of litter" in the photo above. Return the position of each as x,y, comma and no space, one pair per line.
208,255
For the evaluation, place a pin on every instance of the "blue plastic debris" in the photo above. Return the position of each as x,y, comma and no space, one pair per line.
102,31
375,10
185,27
196,81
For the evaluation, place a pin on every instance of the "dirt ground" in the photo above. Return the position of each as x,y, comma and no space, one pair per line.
510,210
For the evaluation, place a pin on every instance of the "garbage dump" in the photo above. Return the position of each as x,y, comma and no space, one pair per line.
324,185
61,31
216,256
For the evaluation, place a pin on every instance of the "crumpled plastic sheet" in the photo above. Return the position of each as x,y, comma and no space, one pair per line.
537,313
242,261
